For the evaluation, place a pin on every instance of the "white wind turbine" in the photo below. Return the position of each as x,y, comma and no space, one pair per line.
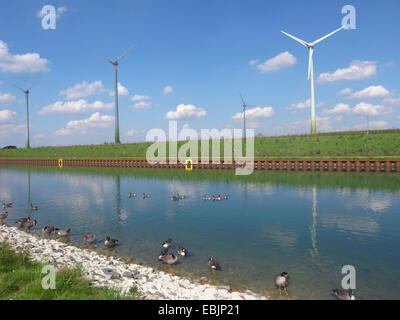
310,46
115,64
244,105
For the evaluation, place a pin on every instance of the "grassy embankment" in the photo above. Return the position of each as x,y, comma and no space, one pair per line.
21,279
376,144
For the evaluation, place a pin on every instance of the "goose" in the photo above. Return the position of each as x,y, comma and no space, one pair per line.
213,264
167,243
3,215
88,237
146,195
110,242
23,220
180,197
29,224
223,197
49,229
282,281
182,251
132,195
216,198
169,258
62,232
206,198
163,253
344,294
7,205
174,198
34,207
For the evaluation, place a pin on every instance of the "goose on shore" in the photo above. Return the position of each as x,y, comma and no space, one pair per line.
167,243
109,243
49,229
182,251
282,281
169,258
33,208
63,232
29,224
3,215
88,237
344,294
23,220
213,264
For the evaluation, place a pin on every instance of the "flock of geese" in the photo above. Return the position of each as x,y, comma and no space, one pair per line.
281,280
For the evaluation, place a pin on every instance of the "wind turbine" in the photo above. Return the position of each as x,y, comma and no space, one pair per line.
244,105
310,46
27,145
115,64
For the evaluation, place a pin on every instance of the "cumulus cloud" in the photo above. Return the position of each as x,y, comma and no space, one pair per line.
346,92
371,92
131,133
186,111
168,90
372,124
370,109
6,99
255,113
303,105
281,61
78,106
339,108
138,97
142,105
122,91
252,62
357,70
7,115
21,63
83,90
392,101
96,120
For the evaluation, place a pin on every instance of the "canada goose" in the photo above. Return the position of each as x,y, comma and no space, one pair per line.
88,237
49,229
180,197
216,198
23,220
163,253
34,207
282,281
132,195
174,198
3,215
344,294
7,205
146,195
182,251
207,198
169,258
28,224
167,243
213,264
223,197
63,232
110,242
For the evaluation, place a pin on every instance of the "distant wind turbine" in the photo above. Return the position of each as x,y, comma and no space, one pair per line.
310,47
115,64
244,105
27,144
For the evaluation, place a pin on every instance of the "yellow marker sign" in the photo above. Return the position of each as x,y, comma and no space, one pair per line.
188,165
60,163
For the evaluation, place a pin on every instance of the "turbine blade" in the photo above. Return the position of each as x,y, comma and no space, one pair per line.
34,84
108,60
328,35
310,61
297,39
122,55
14,85
244,103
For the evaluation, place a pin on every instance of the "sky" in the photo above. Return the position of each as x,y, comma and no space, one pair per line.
189,62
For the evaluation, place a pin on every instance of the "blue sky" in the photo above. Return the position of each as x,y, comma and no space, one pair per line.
206,52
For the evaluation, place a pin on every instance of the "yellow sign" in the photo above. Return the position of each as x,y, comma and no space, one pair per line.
60,163
188,165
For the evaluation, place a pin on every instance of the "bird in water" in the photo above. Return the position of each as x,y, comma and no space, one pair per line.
49,229
163,253
167,243
146,195
344,294
213,264
88,237
223,197
109,243
3,215
207,198
23,220
174,198
181,197
34,208
63,232
282,281
7,205
132,195
182,251
215,198
169,258
29,224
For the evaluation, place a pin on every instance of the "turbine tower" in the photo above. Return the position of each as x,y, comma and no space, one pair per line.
310,46
27,144
115,64
244,105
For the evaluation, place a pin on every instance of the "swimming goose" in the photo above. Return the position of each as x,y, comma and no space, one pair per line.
167,243
213,264
23,220
174,198
180,197
169,258
7,205
146,195
3,215
63,232
88,237
131,195
34,207
206,198
28,224
163,253
182,251
282,281
110,242
216,198
344,294
49,229
223,196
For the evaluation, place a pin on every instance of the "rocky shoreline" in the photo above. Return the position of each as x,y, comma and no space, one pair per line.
107,271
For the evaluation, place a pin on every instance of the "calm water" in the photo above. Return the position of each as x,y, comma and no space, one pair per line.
307,224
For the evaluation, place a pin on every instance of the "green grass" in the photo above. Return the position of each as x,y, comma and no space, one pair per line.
21,278
376,144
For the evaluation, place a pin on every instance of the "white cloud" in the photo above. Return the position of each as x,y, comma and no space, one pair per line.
122,91
255,113
346,91
7,115
83,90
370,109
281,61
185,126
357,70
96,120
392,101
131,133
39,136
9,128
138,97
6,99
303,105
28,62
252,62
371,92
142,105
372,124
185,111
168,90
339,108
78,106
